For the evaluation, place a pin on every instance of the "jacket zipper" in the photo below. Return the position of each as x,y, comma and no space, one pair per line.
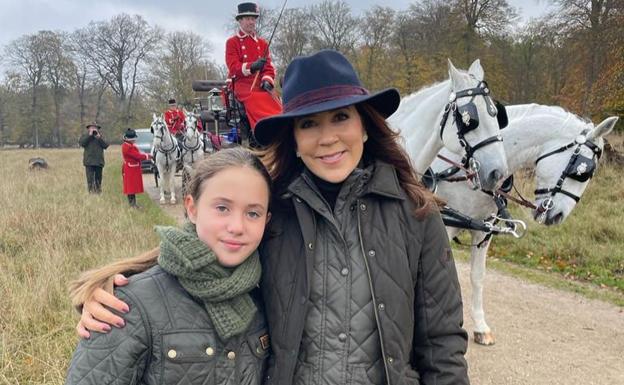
370,283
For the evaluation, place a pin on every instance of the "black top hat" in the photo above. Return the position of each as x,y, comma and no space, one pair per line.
248,9
172,101
322,82
130,134
93,124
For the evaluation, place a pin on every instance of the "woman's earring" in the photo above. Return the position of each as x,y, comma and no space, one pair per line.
297,154
365,138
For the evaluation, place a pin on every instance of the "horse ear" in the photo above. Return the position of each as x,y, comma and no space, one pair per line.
454,74
604,128
476,70
153,116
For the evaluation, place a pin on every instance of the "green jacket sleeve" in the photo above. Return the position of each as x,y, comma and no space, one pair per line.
117,357
440,342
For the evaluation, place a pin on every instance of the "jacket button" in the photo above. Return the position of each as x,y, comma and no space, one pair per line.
209,351
382,306
342,337
298,199
371,253
243,47
310,246
344,271
390,360
172,353
363,207
231,355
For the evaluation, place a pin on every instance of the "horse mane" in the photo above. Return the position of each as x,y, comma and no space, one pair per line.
520,110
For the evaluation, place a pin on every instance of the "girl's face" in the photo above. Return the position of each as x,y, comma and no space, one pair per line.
231,213
330,143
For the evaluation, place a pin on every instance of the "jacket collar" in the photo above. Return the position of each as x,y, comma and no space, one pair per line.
240,34
379,178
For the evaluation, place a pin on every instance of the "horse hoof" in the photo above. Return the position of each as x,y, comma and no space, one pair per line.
173,201
163,201
484,338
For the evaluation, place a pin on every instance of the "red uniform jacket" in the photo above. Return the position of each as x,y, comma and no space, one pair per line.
240,51
174,118
132,175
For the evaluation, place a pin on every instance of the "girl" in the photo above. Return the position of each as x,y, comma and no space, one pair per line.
358,280
192,318
132,174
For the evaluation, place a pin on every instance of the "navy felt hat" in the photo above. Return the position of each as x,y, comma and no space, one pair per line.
322,82
247,9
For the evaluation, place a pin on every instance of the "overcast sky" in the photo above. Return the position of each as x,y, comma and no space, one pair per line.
208,18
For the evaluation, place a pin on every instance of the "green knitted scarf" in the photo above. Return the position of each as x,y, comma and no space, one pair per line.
223,291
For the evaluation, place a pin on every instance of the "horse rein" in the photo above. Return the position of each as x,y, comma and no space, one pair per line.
162,128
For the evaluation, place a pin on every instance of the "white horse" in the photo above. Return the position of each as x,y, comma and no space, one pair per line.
166,156
544,138
457,114
191,148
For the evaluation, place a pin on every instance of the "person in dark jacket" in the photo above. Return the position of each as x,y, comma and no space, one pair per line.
192,318
93,156
359,282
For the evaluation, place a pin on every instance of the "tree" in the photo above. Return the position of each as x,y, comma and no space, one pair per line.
333,26
117,50
292,37
376,29
27,56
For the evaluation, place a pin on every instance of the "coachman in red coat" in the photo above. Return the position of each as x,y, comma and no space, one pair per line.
174,118
248,58
132,175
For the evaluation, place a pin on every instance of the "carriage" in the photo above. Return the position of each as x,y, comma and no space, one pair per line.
222,116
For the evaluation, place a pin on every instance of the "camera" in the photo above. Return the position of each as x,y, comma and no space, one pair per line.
94,132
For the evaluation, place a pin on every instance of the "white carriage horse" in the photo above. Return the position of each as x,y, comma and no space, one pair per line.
564,151
166,156
191,147
426,118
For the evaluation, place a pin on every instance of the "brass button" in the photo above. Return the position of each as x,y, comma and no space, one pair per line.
363,207
342,337
231,355
390,360
172,353
310,246
371,253
209,351
344,271
382,306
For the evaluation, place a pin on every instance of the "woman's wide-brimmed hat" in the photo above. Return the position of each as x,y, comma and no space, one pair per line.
247,9
130,134
322,82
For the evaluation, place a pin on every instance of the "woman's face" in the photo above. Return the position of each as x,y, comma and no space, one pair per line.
330,143
231,213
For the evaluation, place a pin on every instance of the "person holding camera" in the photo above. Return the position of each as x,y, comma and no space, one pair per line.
249,64
93,156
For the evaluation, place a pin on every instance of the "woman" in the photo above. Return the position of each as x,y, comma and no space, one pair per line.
131,171
358,279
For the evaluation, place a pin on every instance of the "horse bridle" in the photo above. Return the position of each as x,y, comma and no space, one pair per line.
162,127
579,168
467,119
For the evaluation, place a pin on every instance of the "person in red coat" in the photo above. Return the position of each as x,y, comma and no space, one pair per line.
247,57
174,118
132,175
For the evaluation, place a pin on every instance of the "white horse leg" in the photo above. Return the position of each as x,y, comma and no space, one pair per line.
482,333
162,172
172,185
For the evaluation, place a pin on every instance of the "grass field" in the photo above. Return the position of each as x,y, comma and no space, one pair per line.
51,230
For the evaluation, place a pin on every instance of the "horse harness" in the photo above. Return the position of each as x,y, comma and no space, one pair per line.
166,151
467,119
579,168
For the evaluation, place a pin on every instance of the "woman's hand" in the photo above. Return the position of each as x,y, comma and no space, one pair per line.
96,317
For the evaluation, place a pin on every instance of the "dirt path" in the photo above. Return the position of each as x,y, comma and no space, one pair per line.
544,336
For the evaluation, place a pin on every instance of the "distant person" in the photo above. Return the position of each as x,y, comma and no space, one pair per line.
174,118
248,59
93,156
132,174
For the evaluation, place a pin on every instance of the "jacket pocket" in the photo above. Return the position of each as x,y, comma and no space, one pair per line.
364,374
252,370
188,356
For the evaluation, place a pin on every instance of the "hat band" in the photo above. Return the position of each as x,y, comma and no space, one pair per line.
321,95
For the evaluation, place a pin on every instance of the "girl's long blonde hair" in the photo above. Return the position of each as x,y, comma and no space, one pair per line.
82,289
